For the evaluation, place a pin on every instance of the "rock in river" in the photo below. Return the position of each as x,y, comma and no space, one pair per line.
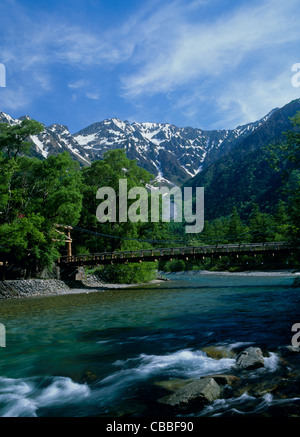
218,352
225,379
202,390
250,358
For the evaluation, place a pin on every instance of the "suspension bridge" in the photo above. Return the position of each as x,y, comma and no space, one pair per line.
70,264
166,253
184,253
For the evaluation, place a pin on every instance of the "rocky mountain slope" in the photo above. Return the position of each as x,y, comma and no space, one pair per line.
171,153
244,175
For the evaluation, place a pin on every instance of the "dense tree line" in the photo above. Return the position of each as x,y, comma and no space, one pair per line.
37,194
34,195
281,224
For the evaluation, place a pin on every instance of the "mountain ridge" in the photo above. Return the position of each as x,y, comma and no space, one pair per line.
244,175
173,154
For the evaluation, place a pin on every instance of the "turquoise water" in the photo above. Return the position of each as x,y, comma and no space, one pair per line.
102,353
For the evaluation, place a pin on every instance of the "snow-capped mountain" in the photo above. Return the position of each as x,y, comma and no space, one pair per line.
171,153
56,139
53,140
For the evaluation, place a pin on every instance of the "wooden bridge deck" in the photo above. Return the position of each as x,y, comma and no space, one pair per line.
185,253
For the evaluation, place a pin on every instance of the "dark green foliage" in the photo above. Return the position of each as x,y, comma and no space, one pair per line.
34,195
115,166
13,138
280,223
289,150
244,175
237,231
287,154
177,265
261,226
130,273
246,198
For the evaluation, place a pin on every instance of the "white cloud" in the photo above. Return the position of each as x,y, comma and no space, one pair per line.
163,47
81,83
174,48
14,98
245,101
196,51
93,95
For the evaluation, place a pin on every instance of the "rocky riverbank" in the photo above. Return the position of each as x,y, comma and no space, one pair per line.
31,287
12,289
20,288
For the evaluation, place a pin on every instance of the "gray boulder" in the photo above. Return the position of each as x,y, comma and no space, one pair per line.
204,390
225,379
250,358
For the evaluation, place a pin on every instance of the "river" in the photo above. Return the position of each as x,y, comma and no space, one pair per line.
106,353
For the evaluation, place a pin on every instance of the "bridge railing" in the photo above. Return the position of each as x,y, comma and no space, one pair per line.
156,253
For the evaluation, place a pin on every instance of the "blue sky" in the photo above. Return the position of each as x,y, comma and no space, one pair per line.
211,64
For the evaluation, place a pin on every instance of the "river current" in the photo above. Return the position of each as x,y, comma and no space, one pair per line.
106,353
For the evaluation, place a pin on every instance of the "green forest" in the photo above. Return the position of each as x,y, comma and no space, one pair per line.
35,195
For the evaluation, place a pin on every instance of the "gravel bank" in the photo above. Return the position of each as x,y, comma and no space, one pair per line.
13,289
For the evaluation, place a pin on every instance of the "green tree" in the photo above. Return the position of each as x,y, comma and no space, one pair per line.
130,273
35,195
13,137
124,235
236,232
282,222
287,155
294,214
107,173
289,150
215,231
261,226
56,193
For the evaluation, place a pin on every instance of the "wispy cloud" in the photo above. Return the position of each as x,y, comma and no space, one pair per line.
247,101
93,95
15,98
34,58
201,50
240,60
189,53
78,84
86,88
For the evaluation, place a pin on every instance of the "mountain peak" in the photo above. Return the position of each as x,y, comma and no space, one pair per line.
170,153
24,117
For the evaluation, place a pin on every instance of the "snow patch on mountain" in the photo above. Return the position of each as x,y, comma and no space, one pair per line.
84,140
40,145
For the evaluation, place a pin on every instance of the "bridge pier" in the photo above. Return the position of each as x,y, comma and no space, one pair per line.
71,273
